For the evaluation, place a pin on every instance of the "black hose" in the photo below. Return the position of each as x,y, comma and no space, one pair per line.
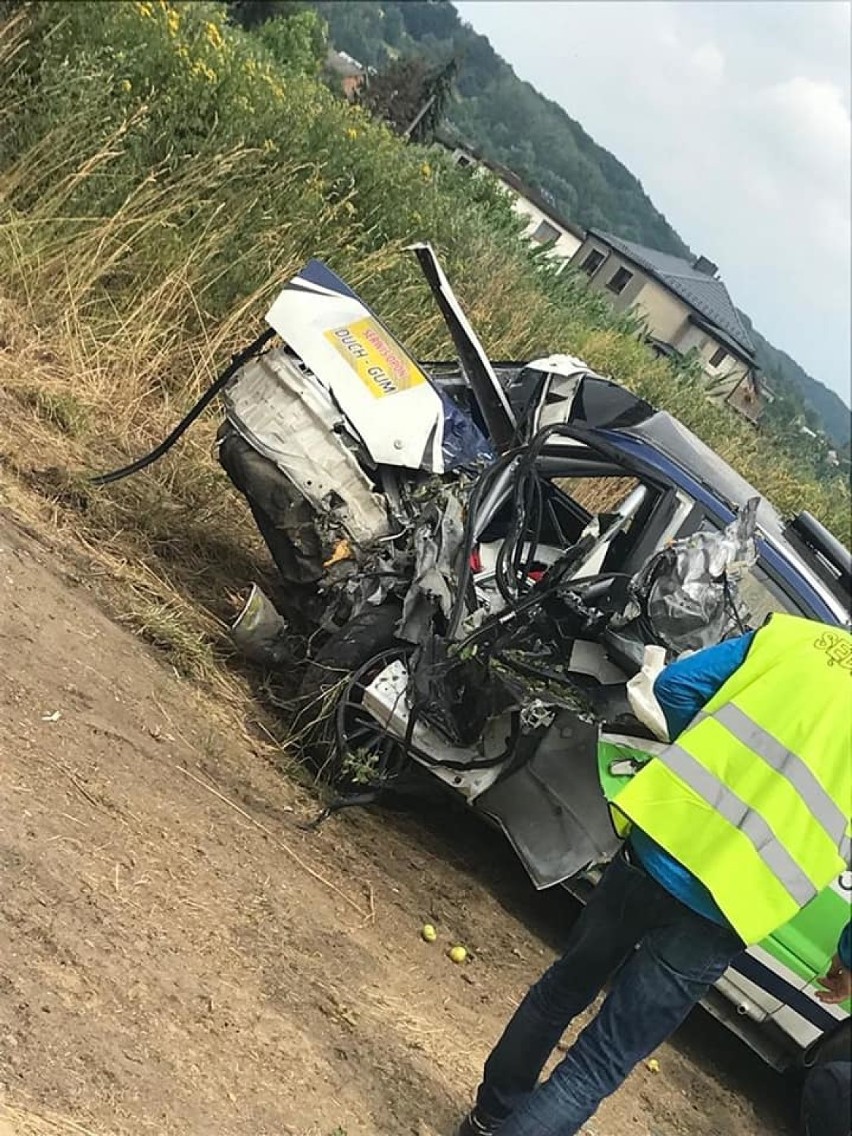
464,570
187,420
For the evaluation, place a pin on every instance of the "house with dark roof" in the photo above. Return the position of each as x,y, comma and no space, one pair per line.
686,308
349,72
544,224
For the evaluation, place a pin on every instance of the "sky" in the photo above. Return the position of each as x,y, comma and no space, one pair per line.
736,119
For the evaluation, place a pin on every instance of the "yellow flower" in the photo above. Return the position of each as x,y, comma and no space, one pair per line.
426,170
214,36
351,132
201,68
126,85
145,9
269,146
173,21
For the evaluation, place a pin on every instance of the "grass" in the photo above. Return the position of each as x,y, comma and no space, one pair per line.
159,181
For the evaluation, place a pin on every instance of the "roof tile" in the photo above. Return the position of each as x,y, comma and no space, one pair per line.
707,295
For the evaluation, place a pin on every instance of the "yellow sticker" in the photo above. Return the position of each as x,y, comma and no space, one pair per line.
375,357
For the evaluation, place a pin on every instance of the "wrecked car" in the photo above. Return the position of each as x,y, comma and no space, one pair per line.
481,555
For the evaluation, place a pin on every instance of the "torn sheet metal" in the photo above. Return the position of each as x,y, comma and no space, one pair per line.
437,545
383,392
493,413
552,808
686,593
293,423
387,699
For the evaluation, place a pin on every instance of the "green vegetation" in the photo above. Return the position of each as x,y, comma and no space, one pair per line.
162,173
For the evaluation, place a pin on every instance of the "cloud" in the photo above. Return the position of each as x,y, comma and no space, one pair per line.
736,119
815,120
709,62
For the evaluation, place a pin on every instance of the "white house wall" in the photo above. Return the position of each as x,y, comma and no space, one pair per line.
666,315
566,244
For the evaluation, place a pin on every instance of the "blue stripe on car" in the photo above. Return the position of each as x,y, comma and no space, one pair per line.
754,970
315,272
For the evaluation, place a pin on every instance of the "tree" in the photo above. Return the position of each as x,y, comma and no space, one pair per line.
393,28
429,17
251,13
435,98
298,42
409,97
394,93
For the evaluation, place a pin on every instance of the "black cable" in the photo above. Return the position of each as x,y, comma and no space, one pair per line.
549,583
407,743
187,420
535,524
726,590
464,571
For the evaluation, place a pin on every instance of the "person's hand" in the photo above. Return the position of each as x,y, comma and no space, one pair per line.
836,983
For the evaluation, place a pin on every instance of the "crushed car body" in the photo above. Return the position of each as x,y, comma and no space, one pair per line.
484,555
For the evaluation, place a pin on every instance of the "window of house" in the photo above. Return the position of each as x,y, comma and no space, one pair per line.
545,232
718,357
593,262
619,280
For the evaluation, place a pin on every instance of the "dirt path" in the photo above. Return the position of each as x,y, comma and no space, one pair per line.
167,966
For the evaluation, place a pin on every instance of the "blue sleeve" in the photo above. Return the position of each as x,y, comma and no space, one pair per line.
844,947
683,687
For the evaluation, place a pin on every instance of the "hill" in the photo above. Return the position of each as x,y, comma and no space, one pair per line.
823,409
510,122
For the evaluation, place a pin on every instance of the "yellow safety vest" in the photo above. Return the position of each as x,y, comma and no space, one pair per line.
754,797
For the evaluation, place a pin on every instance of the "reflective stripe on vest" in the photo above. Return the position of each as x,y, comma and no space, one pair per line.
790,766
725,802
754,797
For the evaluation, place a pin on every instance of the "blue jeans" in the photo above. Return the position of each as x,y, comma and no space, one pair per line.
679,956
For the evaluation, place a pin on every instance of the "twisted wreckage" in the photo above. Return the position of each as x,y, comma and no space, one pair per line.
486,555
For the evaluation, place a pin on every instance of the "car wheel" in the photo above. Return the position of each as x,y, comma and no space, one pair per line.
341,742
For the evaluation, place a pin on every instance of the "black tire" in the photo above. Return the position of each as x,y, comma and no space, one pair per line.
834,1045
325,683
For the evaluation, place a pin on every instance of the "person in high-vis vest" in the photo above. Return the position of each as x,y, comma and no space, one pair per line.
740,822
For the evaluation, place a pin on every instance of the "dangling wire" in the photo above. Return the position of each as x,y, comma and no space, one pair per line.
187,420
